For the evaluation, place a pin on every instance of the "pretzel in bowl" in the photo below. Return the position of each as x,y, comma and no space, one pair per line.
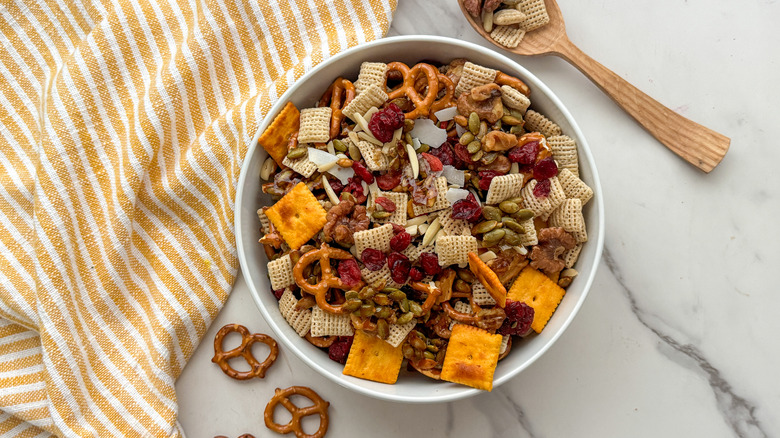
328,280
517,84
422,104
282,396
337,96
244,350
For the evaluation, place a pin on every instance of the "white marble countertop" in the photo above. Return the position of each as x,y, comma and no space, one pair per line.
679,336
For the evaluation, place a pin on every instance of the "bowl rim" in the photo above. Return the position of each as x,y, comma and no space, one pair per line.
583,148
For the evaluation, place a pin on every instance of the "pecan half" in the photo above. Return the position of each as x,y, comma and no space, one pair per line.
343,220
485,100
553,242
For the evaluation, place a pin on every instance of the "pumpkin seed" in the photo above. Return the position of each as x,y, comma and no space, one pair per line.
423,148
474,123
408,125
513,225
366,293
511,238
484,227
339,145
405,318
461,286
491,213
517,130
477,156
466,275
383,312
382,299
483,129
511,120
417,342
432,348
382,329
489,158
404,305
351,295
429,355
367,310
394,294
465,139
415,308
492,238
508,207
474,146
296,153
352,304
381,214
523,215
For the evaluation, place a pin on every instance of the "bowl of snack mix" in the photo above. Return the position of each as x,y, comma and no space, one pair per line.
419,219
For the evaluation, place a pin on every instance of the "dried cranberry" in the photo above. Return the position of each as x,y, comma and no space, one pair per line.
385,121
399,266
362,172
349,272
485,177
542,189
467,209
545,168
355,187
385,203
389,181
374,259
434,162
400,241
525,154
339,349
278,293
397,228
336,185
430,263
462,153
415,274
444,153
519,317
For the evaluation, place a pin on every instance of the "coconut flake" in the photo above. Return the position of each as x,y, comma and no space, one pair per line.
453,175
416,144
342,173
446,113
459,129
428,133
320,157
454,195
413,160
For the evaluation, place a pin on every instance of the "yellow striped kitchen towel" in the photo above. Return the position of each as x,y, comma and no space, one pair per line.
123,126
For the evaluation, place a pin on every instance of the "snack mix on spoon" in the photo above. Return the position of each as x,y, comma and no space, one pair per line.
422,214
507,21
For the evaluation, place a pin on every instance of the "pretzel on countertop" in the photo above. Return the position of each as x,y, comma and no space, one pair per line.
422,104
328,281
221,358
517,84
320,341
337,96
282,396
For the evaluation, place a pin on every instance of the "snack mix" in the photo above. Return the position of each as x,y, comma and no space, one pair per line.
507,21
422,214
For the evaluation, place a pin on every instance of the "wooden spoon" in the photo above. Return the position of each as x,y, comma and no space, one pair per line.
696,144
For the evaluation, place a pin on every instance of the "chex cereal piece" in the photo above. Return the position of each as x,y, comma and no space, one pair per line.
371,358
441,199
573,187
301,165
508,36
473,76
461,307
376,238
569,217
280,271
472,356
481,295
452,227
542,207
299,320
454,250
536,14
570,257
277,135
537,122
372,95
488,278
328,324
398,198
375,159
315,125
412,252
506,17
564,150
504,187
536,290
372,277
265,224
513,98
371,73
528,238
398,333
297,216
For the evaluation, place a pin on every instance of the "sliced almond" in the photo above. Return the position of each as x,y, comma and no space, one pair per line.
413,160
431,233
487,256
329,191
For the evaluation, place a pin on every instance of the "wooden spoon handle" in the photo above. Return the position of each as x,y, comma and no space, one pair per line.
696,144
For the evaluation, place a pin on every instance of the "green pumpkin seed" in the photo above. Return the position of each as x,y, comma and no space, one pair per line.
351,295
339,145
484,227
489,158
517,130
381,214
511,238
394,294
466,275
352,304
382,329
474,146
474,123
424,148
382,299
513,225
483,129
367,310
383,312
492,238
366,293
415,308
408,125
417,342
405,318
491,213
461,286
509,207
296,153
511,120
404,305
477,156
466,138
432,348
429,355
523,215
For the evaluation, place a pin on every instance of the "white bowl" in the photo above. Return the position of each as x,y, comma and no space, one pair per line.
411,387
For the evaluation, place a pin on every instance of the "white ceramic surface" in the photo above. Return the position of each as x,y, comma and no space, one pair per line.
411,387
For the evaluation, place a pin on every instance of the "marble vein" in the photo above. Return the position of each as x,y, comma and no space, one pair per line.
738,412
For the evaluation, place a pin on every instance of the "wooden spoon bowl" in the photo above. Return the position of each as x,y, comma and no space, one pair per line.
696,144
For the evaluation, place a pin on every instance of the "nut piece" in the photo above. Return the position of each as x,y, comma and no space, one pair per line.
343,220
553,242
485,100
498,141
474,7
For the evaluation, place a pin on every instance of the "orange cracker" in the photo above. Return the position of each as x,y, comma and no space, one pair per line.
472,356
277,135
488,278
538,291
371,358
298,216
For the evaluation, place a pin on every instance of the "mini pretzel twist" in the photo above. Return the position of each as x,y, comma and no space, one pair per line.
517,84
281,396
320,290
322,341
465,318
337,96
409,87
449,91
433,292
244,350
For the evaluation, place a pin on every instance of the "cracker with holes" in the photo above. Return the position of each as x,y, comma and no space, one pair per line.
481,295
472,356
315,125
539,123
299,320
371,73
451,226
280,271
376,238
513,98
372,358
564,150
569,217
373,95
375,159
297,216
504,187
536,290
535,14
440,203
396,200
454,250
276,136
372,277
328,324
570,257
543,206
574,187
302,165
399,332
508,36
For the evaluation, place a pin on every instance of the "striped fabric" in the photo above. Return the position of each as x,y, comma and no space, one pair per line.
123,125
